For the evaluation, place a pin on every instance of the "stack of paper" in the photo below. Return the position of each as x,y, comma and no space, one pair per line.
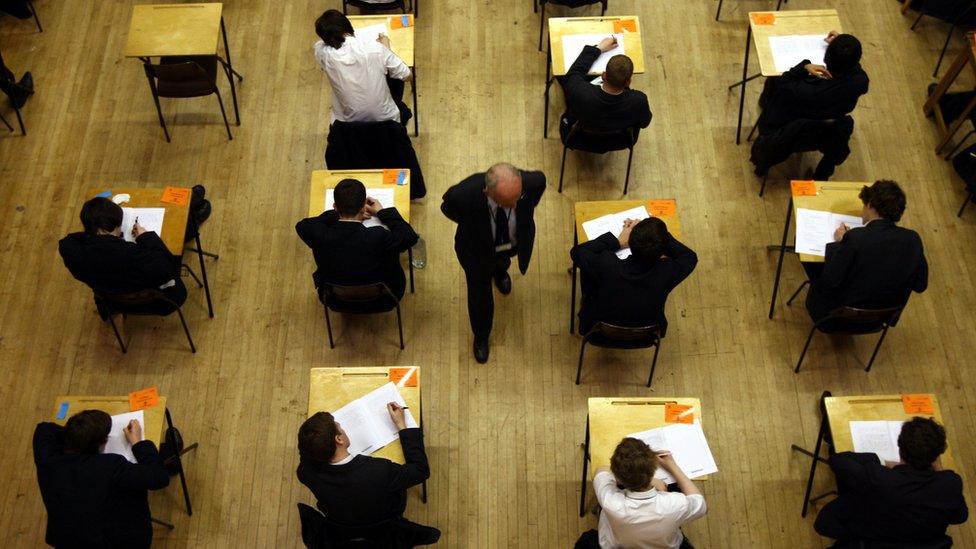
367,422
790,50
150,219
614,224
687,445
877,437
372,32
815,229
382,195
117,443
573,44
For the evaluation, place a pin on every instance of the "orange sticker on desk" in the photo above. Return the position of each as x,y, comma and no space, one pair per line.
678,413
404,377
628,25
763,18
918,404
662,208
803,188
143,398
401,22
394,177
176,195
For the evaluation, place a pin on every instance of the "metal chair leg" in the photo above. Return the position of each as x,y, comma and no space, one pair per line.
220,102
797,292
965,203
193,275
630,158
20,121
657,348
959,144
30,6
410,266
159,109
416,109
579,366
762,188
161,523
186,330
179,463
917,19
562,168
203,269
805,347
5,123
118,336
945,46
328,325
399,325
719,11
877,348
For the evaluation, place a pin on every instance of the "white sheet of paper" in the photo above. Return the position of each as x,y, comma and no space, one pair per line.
354,420
151,219
614,223
791,49
371,32
815,229
687,445
877,437
117,443
383,195
573,44
367,422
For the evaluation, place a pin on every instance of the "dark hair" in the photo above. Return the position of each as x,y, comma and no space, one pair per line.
647,239
633,464
921,441
886,197
843,54
86,432
619,70
100,213
349,196
332,27
316,437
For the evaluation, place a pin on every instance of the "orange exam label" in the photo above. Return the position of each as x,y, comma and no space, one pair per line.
763,18
918,404
662,208
628,25
401,22
391,177
143,398
396,374
803,188
176,195
673,413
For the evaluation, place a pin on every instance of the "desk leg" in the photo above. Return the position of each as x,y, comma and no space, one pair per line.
742,92
178,457
719,11
954,127
423,487
230,67
782,252
816,455
572,289
410,263
203,271
416,109
545,116
586,459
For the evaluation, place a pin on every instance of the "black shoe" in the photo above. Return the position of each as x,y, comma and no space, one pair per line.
481,350
23,90
504,283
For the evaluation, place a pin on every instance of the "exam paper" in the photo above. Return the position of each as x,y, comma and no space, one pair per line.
117,443
372,32
687,445
150,219
614,224
877,437
367,422
790,50
573,44
815,229
383,195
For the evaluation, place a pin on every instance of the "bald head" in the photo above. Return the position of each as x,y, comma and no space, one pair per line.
503,183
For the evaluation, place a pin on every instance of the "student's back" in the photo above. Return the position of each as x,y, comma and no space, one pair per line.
109,264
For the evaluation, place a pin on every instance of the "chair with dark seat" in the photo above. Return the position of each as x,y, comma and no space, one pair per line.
185,77
964,164
382,6
374,145
598,141
143,303
852,321
944,542
568,4
829,137
958,13
200,210
362,300
20,120
610,336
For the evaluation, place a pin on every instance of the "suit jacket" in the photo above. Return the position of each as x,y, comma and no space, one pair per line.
467,205
597,108
351,254
875,266
373,145
109,264
797,94
367,490
96,500
899,504
627,292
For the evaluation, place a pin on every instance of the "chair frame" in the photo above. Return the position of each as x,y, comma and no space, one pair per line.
386,5
719,11
823,437
114,310
324,292
952,28
20,120
579,127
653,329
149,68
542,16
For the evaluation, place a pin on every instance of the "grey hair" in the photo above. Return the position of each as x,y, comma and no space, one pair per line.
491,176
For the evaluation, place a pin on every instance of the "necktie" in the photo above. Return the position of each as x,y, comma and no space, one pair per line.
501,227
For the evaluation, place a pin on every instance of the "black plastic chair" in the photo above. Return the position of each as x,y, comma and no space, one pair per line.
20,121
610,140
610,336
964,164
959,13
853,321
319,532
567,3
383,6
362,300
184,77
132,304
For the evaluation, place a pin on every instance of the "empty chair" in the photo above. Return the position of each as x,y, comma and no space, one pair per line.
599,141
184,77
364,299
374,145
143,302
610,336
958,13
567,3
830,137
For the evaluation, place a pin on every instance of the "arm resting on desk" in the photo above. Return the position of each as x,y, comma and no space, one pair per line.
401,235
415,469
148,474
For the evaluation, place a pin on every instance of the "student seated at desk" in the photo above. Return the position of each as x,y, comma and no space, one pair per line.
363,74
103,260
94,499
17,92
913,500
631,292
875,266
357,490
638,511
349,253
612,105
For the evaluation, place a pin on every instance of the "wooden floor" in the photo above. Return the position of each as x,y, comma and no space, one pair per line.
503,438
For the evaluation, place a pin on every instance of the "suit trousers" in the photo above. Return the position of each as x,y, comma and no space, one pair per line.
481,304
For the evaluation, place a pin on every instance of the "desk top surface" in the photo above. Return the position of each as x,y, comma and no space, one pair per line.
401,38
174,221
113,405
586,211
562,26
163,30
765,24
323,180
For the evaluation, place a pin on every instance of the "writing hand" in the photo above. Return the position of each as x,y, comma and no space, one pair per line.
137,229
840,232
831,35
819,71
384,39
133,432
373,205
397,415
607,44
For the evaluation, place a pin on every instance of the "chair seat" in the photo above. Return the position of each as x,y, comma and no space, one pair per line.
174,79
601,340
379,305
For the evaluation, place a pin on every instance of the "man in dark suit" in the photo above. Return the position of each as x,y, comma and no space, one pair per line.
358,490
913,500
17,92
631,292
503,197
94,499
103,260
612,105
349,253
875,266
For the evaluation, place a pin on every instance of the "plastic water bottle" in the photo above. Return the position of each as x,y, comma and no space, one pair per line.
419,254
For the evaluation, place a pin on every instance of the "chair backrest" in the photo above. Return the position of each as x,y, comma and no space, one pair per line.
379,5
582,137
133,299
363,293
378,534
860,321
573,3
177,72
313,527
623,337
